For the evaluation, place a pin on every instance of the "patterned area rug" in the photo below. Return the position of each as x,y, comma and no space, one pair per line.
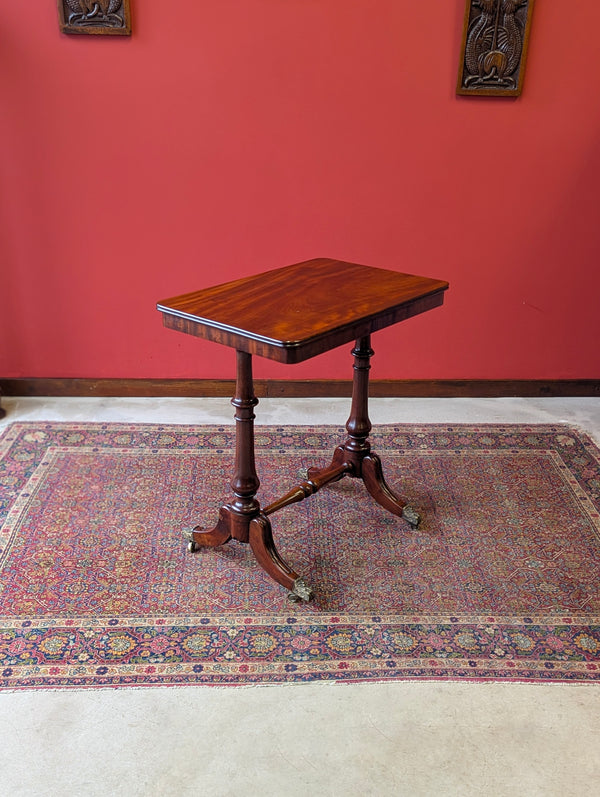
500,582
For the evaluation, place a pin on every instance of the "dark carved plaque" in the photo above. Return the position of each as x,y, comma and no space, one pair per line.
108,17
494,48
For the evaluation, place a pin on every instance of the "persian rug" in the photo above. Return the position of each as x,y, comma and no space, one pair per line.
97,589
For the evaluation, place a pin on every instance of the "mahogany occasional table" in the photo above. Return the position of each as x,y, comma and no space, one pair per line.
289,315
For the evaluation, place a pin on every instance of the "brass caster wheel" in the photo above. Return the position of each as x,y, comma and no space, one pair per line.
192,546
412,518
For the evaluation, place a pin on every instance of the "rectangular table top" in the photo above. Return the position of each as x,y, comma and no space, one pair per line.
293,313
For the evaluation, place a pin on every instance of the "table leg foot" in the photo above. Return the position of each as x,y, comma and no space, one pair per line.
372,476
198,537
267,556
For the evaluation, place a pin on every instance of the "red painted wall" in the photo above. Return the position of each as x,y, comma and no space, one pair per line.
231,136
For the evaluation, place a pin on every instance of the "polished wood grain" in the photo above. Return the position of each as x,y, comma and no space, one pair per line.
303,388
296,312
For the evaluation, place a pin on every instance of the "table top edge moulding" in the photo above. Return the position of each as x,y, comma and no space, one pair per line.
293,313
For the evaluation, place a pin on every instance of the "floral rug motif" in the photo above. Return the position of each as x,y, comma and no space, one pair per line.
97,589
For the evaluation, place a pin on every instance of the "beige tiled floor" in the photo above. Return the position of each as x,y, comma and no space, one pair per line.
321,739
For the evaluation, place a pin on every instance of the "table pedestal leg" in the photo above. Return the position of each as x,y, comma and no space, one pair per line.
242,519
355,457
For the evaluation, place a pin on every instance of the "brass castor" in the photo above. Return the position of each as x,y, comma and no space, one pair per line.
412,518
192,546
300,592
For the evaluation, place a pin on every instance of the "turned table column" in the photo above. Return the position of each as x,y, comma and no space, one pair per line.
242,518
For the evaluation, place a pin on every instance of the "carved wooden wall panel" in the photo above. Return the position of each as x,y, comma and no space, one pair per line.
494,47
108,17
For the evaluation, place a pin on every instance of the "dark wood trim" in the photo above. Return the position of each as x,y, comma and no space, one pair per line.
303,388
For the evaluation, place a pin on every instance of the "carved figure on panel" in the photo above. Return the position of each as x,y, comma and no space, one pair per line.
495,41
94,16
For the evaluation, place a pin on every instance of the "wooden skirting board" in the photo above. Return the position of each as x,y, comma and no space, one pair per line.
379,388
